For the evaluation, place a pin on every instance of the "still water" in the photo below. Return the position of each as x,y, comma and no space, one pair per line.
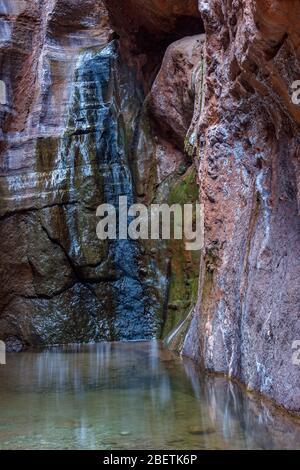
134,395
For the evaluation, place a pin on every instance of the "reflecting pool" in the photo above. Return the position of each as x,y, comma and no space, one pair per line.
134,395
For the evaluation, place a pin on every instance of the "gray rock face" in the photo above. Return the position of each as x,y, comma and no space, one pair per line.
13,344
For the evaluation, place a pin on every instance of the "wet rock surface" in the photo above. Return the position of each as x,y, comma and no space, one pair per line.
103,101
77,132
13,344
247,316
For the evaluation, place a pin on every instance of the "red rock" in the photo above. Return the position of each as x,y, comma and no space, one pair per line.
248,309
244,139
171,100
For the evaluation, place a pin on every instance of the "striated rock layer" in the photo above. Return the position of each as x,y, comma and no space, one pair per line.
247,149
68,128
108,98
77,131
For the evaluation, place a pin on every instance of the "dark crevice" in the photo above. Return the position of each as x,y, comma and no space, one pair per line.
75,269
150,43
274,49
36,209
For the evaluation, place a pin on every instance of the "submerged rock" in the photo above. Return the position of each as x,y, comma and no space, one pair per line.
200,431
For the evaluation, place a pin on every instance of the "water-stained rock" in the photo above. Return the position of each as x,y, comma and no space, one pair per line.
107,98
246,146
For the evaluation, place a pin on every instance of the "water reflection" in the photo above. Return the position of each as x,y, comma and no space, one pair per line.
129,396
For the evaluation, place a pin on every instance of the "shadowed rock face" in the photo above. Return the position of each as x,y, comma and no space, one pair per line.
171,100
104,100
147,27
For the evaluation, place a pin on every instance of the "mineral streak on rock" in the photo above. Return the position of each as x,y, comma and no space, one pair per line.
247,146
76,132
137,86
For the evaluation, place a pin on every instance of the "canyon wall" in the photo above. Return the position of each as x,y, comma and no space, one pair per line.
112,98
247,149
68,127
77,130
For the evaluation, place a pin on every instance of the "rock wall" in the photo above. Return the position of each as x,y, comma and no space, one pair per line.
247,149
77,131
113,97
68,128
46,297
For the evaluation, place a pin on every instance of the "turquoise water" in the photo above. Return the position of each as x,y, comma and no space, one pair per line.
134,395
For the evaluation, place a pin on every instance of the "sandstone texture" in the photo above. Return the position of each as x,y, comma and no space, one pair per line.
77,131
157,100
247,147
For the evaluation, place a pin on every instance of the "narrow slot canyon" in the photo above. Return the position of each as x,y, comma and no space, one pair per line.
181,102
